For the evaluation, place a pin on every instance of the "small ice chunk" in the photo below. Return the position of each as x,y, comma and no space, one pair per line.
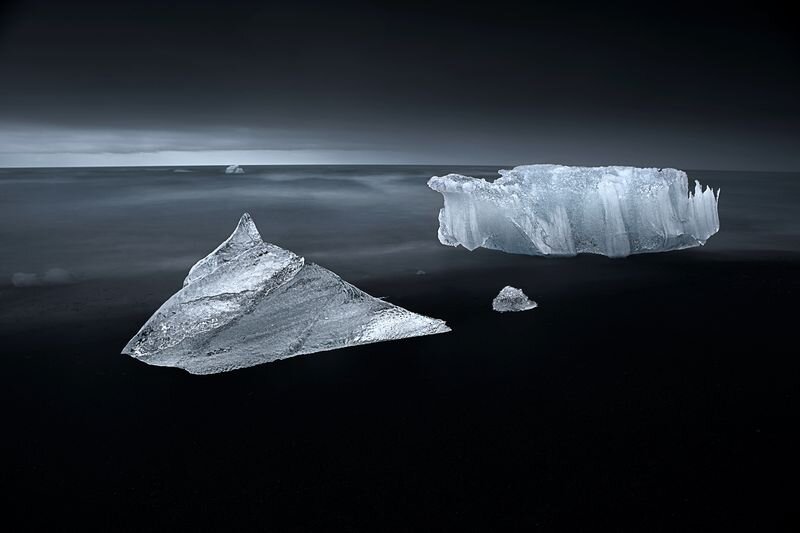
250,302
512,299
234,169
556,210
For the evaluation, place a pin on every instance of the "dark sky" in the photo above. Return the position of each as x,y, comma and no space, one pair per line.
691,85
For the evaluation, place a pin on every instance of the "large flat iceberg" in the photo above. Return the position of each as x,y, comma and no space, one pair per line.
563,211
251,302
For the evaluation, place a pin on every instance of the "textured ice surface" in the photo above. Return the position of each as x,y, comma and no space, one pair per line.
512,299
234,169
250,302
563,211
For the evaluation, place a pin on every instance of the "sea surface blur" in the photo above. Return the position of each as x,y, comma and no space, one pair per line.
102,223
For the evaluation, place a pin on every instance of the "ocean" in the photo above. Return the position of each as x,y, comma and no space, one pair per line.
648,393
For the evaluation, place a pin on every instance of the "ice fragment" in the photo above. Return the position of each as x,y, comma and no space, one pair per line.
512,299
250,302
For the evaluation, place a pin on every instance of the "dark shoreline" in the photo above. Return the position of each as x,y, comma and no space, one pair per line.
653,403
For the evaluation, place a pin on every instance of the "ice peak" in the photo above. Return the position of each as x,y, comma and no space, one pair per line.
244,241
246,230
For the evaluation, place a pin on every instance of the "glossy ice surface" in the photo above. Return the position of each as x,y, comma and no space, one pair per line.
250,302
563,211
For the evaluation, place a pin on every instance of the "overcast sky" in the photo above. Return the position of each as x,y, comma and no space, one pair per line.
692,85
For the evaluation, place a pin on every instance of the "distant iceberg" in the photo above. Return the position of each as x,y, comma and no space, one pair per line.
512,299
234,169
563,211
249,302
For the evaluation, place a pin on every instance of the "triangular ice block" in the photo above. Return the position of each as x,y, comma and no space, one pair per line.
249,302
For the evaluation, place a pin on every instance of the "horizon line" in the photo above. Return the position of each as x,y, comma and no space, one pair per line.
499,166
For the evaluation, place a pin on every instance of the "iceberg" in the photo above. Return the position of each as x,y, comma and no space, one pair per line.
250,302
556,210
512,299
234,169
